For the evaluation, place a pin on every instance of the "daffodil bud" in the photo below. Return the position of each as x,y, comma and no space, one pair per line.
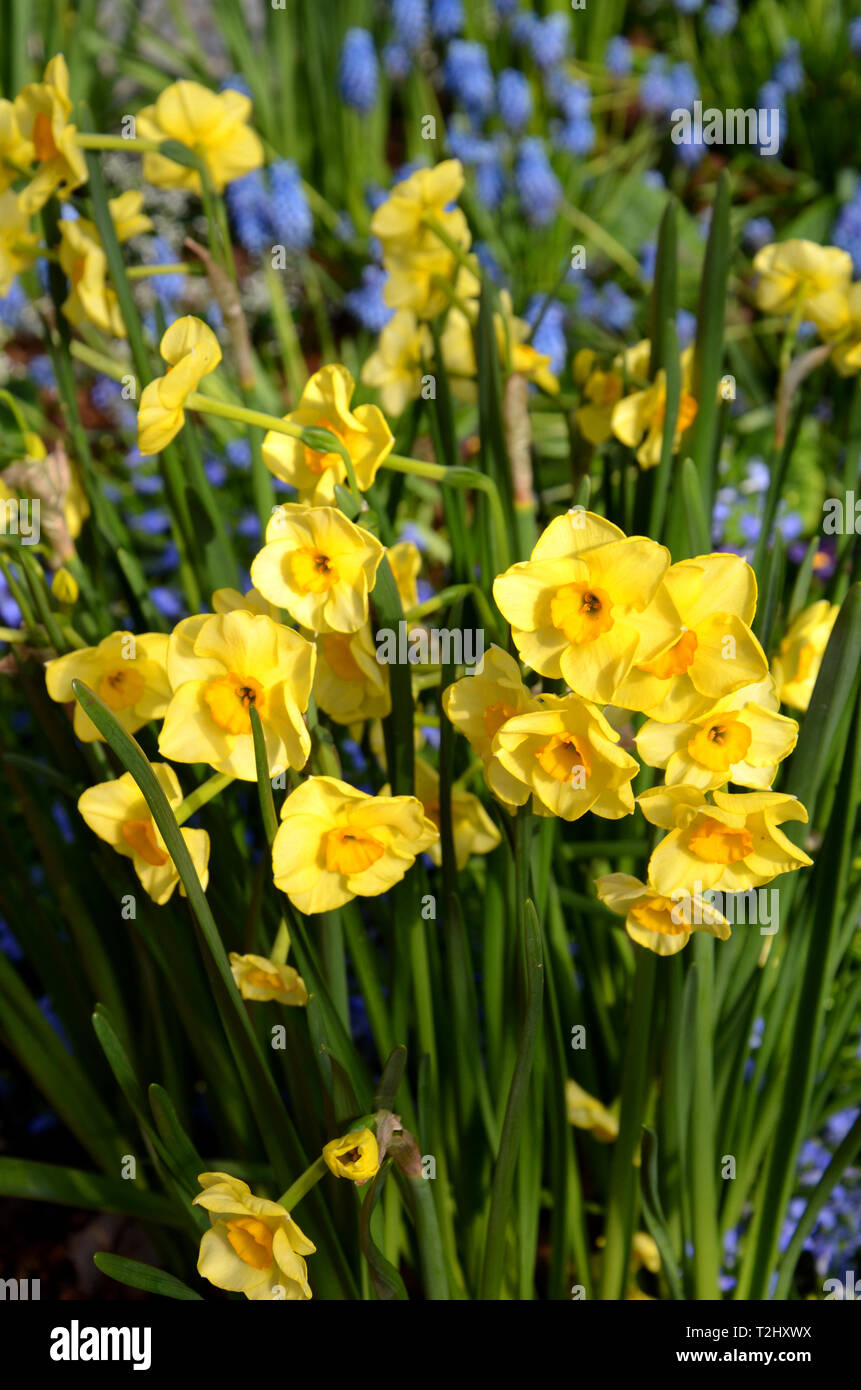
64,586
354,1155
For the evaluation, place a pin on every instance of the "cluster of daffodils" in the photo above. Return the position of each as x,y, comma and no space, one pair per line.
625,630
425,241
621,402
801,280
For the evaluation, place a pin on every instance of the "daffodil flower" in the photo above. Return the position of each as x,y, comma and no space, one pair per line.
221,664
568,756
729,847
603,389
214,125
638,419
396,366
18,243
336,843
791,273
742,740
325,405
355,1155
38,140
319,566
420,264
799,657
350,685
261,979
479,706
837,315
709,602
586,1112
661,923
254,1246
128,673
581,606
191,350
473,832
118,813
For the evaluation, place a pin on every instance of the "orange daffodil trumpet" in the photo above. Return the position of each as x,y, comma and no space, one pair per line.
126,671
254,1246
336,843
480,705
191,350
325,405
214,125
118,813
221,664
319,566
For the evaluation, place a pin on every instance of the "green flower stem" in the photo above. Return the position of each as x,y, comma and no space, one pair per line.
144,272
702,1131
429,1242
451,595
460,478
457,251
607,243
118,142
304,1183
199,797
621,1205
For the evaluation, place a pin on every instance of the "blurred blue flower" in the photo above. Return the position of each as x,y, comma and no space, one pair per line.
410,18
8,945
758,232
514,98
721,17
657,95
548,40
290,217
847,229
246,203
469,77
235,83
358,71
538,188
619,57
366,303
12,304
574,137
40,369
155,522
549,337
788,70
397,61
855,36
239,453
216,472
446,18
686,327
168,602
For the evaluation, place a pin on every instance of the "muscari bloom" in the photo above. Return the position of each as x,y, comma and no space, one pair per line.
568,757
336,843
479,706
355,1155
662,924
254,1246
742,739
118,813
126,671
261,979
220,665
325,404
799,657
212,124
37,139
581,607
191,350
318,565
728,847
710,602
358,70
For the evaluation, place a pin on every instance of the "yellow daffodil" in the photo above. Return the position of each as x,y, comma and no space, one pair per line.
645,1252
800,654
585,1112
479,705
91,298
118,813
742,739
65,587
254,1246
325,404
731,846
568,757
18,243
191,350
218,670
37,139
126,671
662,924
128,216
319,566
355,1155
396,366
336,843
400,222
212,124
837,315
473,831
350,685
405,560
638,419
710,602
262,979
581,606
791,273
457,344
603,388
